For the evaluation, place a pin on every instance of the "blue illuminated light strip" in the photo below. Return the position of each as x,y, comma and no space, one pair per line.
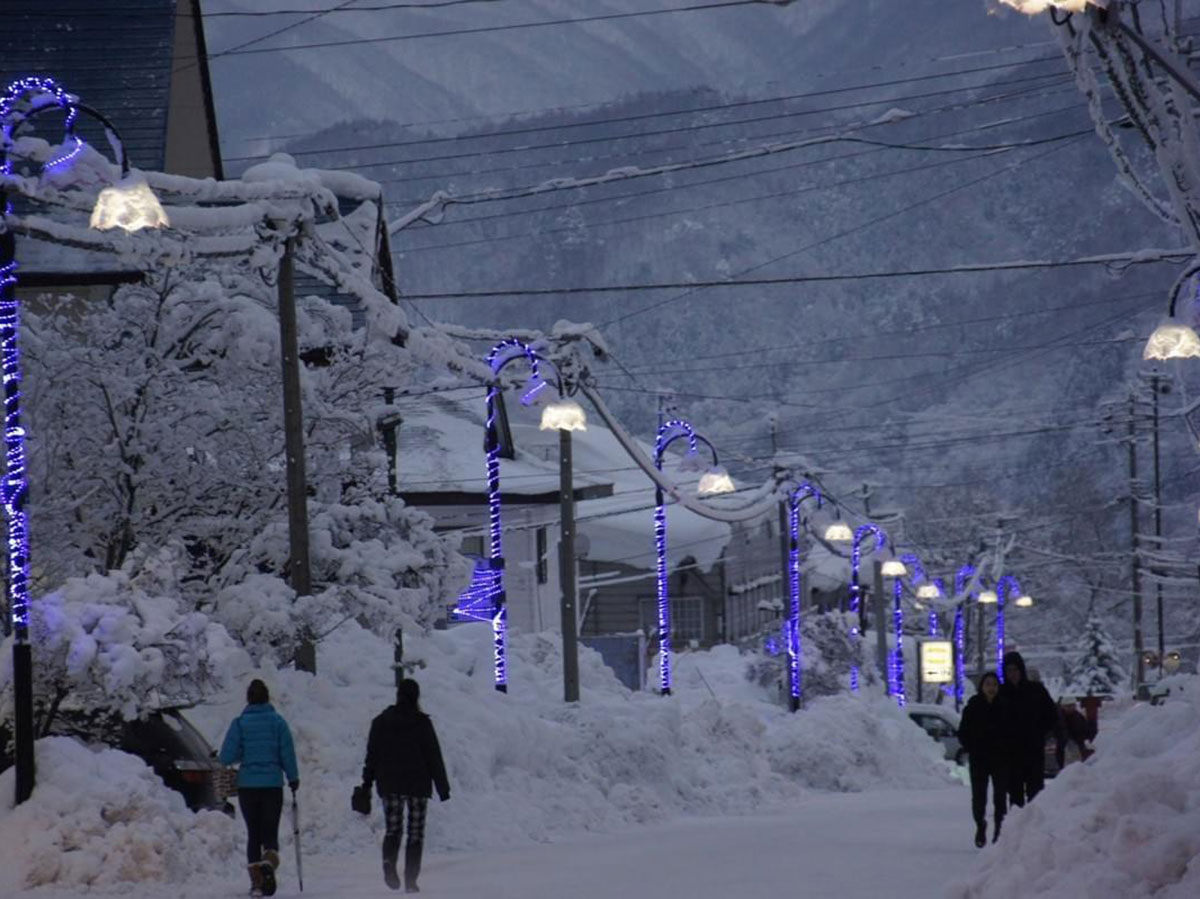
855,558
60,162
1006,584
933,614
898,655
792,625
492,606
15,487
960,665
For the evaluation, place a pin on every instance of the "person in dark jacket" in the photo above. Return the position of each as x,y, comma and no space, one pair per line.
404,762
1073,727
1033,715
260,740
984,734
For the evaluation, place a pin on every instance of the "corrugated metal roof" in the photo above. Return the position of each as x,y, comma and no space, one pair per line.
118,63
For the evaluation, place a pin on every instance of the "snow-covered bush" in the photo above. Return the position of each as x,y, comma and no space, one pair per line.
107,647
826,652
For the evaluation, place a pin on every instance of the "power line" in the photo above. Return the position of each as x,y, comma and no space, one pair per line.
491,29
639,117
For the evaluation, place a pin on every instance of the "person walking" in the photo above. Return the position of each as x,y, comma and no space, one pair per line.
260,740
984,733
404,762
1033,715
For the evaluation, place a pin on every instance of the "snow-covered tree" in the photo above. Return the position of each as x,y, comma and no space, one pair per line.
1097,669
110,647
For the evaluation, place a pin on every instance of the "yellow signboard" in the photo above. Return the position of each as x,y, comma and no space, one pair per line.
937,661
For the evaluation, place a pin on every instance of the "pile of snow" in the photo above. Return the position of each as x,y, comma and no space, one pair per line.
523,766
102,817
1123,825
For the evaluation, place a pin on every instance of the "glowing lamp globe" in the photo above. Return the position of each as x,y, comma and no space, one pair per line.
129,204
928,591
1024,602
988,597
1172,340
714,482
1033,7
894,568
839,533
563,415
1171,661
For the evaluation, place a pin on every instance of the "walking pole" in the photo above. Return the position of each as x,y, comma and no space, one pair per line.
296,841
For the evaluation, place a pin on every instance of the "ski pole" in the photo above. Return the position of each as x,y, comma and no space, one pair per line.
296,841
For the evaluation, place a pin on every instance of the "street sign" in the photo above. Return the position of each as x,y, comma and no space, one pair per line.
937,661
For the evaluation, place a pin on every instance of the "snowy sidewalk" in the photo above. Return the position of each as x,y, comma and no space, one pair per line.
845,845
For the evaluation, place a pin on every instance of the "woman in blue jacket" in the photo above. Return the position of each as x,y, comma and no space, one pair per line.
259,738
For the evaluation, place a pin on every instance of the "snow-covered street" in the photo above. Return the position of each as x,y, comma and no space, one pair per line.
916,842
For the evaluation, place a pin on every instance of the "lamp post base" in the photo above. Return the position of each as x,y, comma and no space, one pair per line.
23,720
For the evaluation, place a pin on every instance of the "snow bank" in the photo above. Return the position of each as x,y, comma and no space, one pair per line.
1123,825
523,766
102,817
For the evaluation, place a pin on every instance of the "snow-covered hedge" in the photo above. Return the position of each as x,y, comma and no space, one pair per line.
1123,825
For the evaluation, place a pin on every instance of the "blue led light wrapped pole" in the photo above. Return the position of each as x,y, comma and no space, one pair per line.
34,94
898,690
860,534
792,625
668,433
1005,585
961,580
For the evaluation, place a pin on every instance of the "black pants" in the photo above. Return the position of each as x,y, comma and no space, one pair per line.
261,808
1026,777
393,813
983,771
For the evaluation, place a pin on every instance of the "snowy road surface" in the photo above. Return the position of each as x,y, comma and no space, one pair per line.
900,844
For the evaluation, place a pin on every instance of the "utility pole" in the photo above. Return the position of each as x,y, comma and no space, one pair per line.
881,630
566,570
293,437
1158,587
1134,543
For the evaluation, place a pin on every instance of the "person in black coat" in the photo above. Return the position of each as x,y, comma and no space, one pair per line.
404,761
984,733
1034,715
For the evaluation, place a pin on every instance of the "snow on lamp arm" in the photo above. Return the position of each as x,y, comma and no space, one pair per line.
792,626
860,534
668,433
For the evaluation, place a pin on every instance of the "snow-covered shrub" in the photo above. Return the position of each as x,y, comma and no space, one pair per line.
106,647
826,653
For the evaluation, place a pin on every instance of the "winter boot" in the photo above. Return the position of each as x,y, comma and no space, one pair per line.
996,830
980,835
271,857
412,866
391,849
267,873
255,880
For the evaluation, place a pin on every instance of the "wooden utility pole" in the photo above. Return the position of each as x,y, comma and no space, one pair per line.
293,438
1135,547
566,570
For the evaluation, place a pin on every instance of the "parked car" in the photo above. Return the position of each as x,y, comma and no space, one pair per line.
164,740
941,724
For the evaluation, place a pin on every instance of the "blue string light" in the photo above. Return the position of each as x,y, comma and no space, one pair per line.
855,558
933,614
791,628
1008,583
35,91
898,655
960,664
496,612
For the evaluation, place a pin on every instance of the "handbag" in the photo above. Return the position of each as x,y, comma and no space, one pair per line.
360,799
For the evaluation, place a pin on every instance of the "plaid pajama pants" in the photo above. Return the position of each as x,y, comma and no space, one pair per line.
393,813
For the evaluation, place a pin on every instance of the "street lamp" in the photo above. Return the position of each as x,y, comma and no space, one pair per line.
565,415
1006,586
961,579
838,532
792,626
668,433
22,101
896,569
860,535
